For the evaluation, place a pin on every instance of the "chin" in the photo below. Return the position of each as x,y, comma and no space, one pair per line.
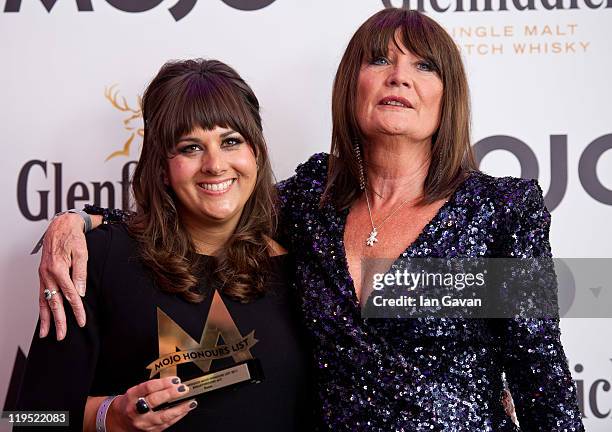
217,217
220,216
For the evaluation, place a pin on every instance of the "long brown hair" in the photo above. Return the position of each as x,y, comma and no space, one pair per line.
184,95
451,153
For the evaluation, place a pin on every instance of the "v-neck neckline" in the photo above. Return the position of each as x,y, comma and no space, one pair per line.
418,240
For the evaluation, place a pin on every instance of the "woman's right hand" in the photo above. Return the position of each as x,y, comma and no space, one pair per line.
122,414
64,248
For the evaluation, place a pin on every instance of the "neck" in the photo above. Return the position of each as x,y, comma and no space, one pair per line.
208,239
396,169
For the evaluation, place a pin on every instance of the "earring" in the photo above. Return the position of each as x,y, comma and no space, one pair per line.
357,150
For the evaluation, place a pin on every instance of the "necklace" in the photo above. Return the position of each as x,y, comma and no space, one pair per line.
372,238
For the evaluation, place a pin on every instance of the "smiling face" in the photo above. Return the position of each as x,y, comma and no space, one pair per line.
398,94
213,174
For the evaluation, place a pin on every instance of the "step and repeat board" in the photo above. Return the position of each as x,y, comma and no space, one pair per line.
73,72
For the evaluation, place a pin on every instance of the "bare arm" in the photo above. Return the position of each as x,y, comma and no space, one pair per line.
64,249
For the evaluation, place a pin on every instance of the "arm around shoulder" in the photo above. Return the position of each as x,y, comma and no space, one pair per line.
59,374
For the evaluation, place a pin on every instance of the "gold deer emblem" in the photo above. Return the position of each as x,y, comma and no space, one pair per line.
119,102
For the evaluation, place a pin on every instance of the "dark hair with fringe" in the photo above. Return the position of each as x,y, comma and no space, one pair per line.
451,153
185,95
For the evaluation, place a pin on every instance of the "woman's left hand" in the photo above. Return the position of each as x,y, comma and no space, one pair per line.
123,416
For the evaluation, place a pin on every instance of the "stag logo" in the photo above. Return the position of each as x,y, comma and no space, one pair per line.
133,115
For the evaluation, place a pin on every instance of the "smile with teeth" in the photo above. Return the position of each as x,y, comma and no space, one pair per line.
217,187
394,103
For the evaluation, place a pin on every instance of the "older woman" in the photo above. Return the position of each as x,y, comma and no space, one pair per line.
194,276
400,181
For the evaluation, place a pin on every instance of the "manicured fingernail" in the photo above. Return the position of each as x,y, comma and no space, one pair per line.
42,333
81,321
80,286
193,404
175,380
182,388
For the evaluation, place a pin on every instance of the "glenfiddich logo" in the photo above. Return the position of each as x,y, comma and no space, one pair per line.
55,197
219,325
495,5
133,115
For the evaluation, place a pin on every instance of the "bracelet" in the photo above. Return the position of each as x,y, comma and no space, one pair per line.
86,218
88,225
101,414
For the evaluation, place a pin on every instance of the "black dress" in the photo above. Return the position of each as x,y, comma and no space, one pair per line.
124,309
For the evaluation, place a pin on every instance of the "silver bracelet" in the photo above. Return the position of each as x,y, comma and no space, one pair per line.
101,414
86,218
88,226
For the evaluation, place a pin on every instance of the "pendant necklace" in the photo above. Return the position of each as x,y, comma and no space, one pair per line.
372,238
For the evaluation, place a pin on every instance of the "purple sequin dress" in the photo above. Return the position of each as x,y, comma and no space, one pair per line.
428,374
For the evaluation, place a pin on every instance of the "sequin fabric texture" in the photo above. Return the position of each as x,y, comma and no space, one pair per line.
428,374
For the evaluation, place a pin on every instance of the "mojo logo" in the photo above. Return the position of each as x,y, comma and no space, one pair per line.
495,5
587,165
179,10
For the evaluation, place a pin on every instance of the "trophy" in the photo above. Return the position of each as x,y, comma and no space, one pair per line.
219,325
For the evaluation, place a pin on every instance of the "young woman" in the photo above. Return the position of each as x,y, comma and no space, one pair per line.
193,284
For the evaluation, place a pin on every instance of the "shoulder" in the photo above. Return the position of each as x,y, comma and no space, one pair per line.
308,182
511,195
515,208
109,239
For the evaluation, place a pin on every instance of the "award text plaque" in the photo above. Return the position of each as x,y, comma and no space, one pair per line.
249,372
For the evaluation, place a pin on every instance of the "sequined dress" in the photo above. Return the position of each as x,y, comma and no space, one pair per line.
428,374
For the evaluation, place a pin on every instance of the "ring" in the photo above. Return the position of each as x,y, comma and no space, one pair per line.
48,294
142,406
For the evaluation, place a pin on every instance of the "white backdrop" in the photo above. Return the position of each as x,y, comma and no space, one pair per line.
534,74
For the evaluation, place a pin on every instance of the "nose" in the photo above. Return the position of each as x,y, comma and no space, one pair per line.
213,162
400,75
